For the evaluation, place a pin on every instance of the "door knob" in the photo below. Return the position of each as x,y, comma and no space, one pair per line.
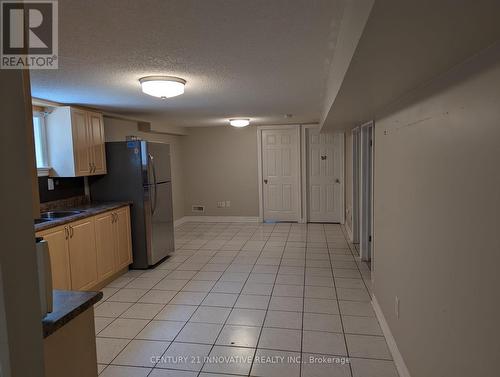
265,181
337,181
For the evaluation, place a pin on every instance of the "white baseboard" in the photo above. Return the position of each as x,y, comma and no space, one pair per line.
217,219
391,342
180,221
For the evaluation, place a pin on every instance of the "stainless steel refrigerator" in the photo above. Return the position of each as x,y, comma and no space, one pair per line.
139,171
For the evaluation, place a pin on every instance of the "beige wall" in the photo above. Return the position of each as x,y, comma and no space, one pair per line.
21,352
220,163
116,130
348,180
436,239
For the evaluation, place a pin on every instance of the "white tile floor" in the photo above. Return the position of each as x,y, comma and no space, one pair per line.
247,300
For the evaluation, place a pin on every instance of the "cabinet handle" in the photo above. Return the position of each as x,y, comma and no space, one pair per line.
90,167
71,232
95,167
66,232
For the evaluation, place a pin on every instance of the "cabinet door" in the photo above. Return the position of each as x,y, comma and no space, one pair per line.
96,131
105,245
123,238
81,149
57,238
82,254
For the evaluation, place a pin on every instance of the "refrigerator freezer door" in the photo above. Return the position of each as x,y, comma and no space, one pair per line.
162,223
159,162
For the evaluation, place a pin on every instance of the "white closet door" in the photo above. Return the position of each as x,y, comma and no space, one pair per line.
280,169
325,176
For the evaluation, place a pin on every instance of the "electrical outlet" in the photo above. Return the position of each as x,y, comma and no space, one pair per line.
228,203
221,204
50,184
197,208
396,307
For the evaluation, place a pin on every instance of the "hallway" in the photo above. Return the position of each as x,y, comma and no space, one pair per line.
245,299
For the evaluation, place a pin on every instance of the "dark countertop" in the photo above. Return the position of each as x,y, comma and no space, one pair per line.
67,305
91,209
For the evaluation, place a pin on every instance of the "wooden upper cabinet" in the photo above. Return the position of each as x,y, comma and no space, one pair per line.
81,142
75,142
96,130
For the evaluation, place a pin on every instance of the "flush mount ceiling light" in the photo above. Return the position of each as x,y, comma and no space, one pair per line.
239,122
162,86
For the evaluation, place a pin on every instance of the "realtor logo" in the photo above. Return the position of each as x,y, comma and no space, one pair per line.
29,35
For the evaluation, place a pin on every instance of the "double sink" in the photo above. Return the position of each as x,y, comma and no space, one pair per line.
55,215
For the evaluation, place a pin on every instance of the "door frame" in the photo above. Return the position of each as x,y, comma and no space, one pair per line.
366,191
297,128
356,175
305,172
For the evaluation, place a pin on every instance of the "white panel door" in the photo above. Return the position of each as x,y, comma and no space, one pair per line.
366,197
325,176
280,174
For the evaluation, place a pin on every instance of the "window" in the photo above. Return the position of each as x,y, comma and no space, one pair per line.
40,142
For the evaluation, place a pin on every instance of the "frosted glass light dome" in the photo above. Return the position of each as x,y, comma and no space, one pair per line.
162,86
239,122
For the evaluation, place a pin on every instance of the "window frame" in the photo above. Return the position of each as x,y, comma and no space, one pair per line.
40,137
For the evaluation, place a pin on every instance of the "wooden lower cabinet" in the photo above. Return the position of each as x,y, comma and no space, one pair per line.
114,245
82,254
57,239
105,241
85,253
71,350
123,238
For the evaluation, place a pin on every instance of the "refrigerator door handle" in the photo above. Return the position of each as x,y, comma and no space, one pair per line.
154,202
156,198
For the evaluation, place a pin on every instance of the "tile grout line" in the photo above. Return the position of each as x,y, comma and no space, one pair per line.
130,341
303,305
337,299
241,291
238,235
222,327
268,304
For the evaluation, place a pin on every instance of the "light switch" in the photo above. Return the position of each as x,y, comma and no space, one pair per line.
50,184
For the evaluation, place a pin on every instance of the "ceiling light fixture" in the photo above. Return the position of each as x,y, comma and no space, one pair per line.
239,122
162,86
